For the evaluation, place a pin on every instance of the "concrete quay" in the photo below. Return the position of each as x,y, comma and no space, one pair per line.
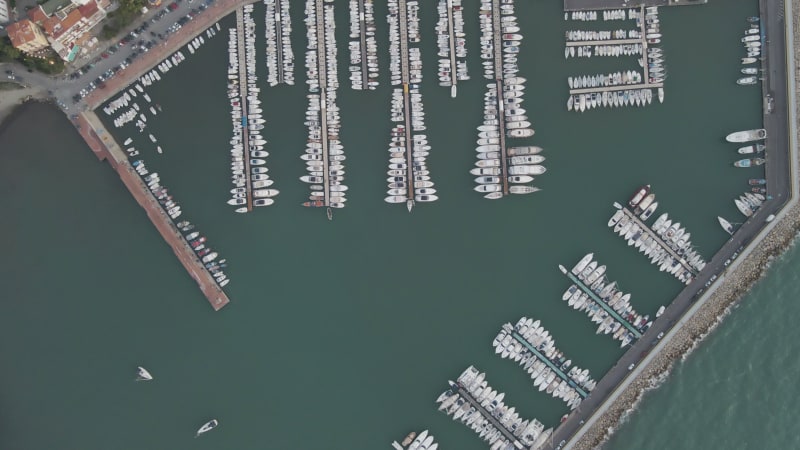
736,267
106,148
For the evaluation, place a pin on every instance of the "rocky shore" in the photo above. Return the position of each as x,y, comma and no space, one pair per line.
738,282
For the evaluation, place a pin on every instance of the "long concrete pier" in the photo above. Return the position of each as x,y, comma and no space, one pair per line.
362,29
497,42
406,77
619,87
240,47
106,148
278,20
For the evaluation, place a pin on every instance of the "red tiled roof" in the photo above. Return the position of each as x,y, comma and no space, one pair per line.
21,32
37,15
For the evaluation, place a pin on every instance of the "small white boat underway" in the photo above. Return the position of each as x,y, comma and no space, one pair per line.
210,425
142,374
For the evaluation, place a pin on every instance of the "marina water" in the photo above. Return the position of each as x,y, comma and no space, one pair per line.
341,334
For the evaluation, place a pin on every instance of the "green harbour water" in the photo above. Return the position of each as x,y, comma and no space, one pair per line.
342,334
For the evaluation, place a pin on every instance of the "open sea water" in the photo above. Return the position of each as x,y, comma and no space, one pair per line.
342,334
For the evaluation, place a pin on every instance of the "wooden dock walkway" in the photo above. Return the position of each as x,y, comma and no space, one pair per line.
243,93
106,148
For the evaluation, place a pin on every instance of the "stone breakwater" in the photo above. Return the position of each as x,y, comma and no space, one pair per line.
738,282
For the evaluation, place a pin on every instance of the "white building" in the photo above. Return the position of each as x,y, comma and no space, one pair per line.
5,14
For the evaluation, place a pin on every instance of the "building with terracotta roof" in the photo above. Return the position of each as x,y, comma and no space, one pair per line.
26,36
66,23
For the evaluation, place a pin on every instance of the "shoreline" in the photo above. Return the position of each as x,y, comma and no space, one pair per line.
13,102
689,334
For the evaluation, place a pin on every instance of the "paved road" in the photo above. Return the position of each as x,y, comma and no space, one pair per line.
779,184
63,88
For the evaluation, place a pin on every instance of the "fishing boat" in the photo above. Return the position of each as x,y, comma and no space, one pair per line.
747,135
756,181
725,224
142,374
747,81
757,148
749,162
208,426
638,196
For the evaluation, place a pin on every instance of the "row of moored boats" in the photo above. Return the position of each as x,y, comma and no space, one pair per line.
204,252
473,402
409,179
247,143
452,44
752,42
530,345
621,88
363,46
499,164
604,303
324,154
666,243
280,58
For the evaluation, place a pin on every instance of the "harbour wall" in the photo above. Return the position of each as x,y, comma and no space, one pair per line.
106,149
711,308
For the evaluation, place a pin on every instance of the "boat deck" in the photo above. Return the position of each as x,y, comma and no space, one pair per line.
243,101
106,148
555,368
582,286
